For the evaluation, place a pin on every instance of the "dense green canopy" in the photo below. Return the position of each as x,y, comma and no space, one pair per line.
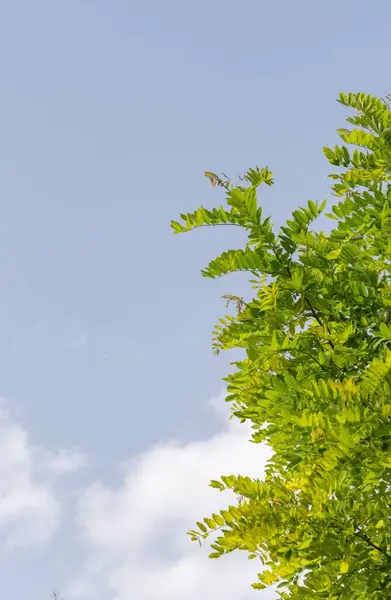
315,380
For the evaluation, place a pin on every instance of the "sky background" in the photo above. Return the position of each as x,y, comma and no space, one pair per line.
110,111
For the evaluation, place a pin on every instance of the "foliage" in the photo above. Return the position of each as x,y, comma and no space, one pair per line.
315,379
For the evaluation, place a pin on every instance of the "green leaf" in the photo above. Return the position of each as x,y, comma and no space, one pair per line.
344,566
384,330
334,254
258,586
313,208
217,485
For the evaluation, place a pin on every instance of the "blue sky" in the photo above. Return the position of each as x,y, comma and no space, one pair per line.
109,113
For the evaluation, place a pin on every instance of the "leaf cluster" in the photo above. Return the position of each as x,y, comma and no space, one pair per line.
315,377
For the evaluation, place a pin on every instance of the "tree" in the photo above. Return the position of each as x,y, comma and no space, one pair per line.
315,378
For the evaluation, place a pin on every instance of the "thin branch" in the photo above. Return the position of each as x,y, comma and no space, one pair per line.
317,319
363,536
280,261
214,225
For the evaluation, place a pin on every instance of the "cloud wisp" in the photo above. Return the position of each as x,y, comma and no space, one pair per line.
30,510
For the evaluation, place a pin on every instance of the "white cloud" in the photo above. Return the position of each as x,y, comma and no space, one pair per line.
29,510
61,461
134,536
77,341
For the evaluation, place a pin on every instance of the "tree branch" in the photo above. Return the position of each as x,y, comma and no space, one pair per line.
317,319
363,536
